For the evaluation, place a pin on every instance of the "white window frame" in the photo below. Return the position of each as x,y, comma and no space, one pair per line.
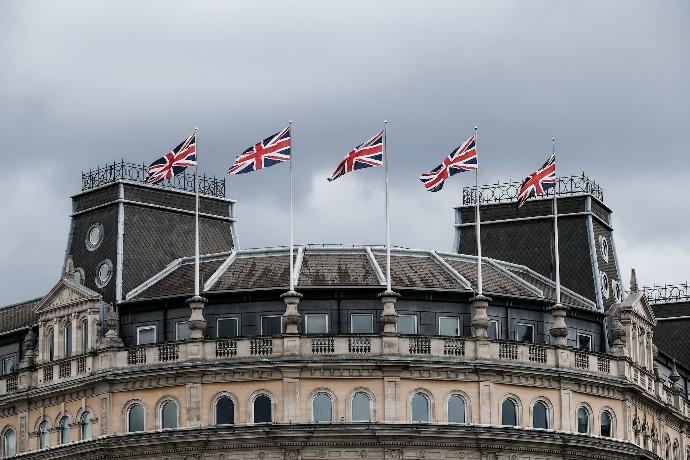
370,315
177,331
228,318
271,316
306,323
14,364
496,325
150,326
604,242
605,284
416,328
457,320
534,331
160,414
580,334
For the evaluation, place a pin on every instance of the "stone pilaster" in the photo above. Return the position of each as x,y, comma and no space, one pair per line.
480,320
292,317
559,331
197,323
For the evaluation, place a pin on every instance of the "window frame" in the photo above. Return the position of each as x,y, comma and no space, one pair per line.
148,326
534,332
371,405
612,423
161,406
371,317
84,335
416,324
588,413
465,401
83,424
215,409
331,400
179,323
516,406
261,320
253,406
6,358
128,414
547,408
50,352
429,405
496,326
64,433
591,340
67,335
306,323
457,329
228,318
41,444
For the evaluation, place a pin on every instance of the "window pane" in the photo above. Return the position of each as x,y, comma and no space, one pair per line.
84,336
262,409
362,323
509,413
493,330
86,422
68,340
169,415
584,342
182,331
420,408
540,417
361,407
582,420
43,435
322,408
225,411
10,443
227,327
524,333
7,365
146,335
51,344
606,424
407,324
136,418
316,324
64,430
449,326
456,409
270,325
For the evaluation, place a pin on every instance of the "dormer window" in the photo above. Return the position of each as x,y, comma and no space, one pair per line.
104,273
604,248
605,288
94,237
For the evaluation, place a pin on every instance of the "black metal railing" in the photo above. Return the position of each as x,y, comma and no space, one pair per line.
121,170
507,191
667,293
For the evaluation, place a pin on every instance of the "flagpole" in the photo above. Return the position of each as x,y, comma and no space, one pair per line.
292,244
477,219
555,229
388,226
196,215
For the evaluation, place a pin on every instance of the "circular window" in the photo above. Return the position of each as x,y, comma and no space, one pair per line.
94,237
604,248
605,284
104,273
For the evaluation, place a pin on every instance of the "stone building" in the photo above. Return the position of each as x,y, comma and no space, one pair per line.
119,360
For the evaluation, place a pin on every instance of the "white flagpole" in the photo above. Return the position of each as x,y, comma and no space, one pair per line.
555,229
196,216
478,220
388,226
292,243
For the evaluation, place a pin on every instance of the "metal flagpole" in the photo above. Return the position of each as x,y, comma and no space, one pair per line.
555,229
388,226
196,215
478,219
292,244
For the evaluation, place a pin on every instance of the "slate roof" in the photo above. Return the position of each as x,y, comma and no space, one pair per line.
18,316
671,337
337,269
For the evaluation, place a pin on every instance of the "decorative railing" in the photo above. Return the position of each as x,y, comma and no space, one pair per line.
667,293
136,355
420,345
604,365
322,345
168,352
261,346
581,360
359,345
537,354
12,382
81,365
226,348
211,186
453,347
508,191
64,369
508,351
48,373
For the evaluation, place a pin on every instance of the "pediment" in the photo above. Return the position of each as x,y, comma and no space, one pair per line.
66,294
638,302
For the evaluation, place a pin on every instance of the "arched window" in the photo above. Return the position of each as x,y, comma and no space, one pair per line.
456,409
667,447
263,412
50,341
606,424
86,426
9,443
675,450
64,430
361,407
540,415
420,408
322,408
43,435
68,339
169,414
225,411
135,418
84,336
582,420
509,412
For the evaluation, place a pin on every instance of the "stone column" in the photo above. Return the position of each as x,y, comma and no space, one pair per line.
196,323
389,318
559,331
292,317
480,320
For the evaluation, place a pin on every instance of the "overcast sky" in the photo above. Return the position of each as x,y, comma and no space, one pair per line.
84,83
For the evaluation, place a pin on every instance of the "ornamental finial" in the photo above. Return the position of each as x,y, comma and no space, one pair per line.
633,281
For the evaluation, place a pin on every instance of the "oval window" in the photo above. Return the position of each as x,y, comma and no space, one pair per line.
105,271
605,288
604,248
94,237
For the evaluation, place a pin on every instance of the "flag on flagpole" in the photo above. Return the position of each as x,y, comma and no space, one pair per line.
463,158
173,162
538,182
271,151
365,155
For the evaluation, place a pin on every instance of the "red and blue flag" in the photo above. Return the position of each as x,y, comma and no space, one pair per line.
174,162
463,158
365,155
538,182
271,151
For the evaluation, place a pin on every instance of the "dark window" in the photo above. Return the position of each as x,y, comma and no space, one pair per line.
135,418
361,407
263,412
420,408
86,425
225,411
540,415
84,336
64,430
322,408
493,330
68,339
169,415
449,325
582,420
7,365
407,324
316,323
361,323
9,443
509,413
226,328
606,422
43,435
271,325
146,335
524,333
456,409
584,342
50,337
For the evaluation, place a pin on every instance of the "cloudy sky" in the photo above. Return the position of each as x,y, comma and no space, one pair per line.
83,83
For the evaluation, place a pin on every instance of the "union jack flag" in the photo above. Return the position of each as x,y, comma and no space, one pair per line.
539,181
363,156
272,150
174,162
463,158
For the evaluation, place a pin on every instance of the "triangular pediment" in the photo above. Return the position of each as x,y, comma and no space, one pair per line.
66,294
639,304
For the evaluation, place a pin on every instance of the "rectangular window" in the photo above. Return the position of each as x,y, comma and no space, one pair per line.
7,365
271,325
449,325
407,324
316,323
361,323
524,333
584,342
493,330
226,328
182,331
146,335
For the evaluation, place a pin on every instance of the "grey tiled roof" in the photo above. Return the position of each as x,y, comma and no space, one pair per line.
669,310
492,279
18,316
550,291
337,269
671,337
255,272
418,271
181,280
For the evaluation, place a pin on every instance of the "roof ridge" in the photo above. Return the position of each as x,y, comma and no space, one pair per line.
450,270
21,304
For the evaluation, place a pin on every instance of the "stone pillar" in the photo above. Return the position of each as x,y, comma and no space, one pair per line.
112,338
559,331
391,384
29,345
480,320
292,317
389,317
618,334
196,322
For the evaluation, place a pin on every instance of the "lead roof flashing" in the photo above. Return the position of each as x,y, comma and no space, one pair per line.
451,271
